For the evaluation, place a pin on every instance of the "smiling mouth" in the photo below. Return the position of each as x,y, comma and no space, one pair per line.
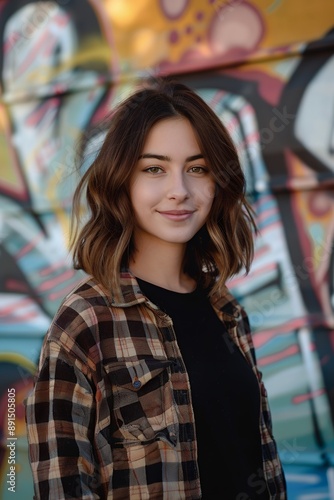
177,215
176,212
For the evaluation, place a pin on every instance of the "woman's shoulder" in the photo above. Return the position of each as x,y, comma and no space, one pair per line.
87,294
81,310
89,321
88,290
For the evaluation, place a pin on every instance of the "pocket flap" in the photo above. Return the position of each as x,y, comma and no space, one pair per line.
133,375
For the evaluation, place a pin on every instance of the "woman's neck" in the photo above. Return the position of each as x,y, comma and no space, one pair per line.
161,265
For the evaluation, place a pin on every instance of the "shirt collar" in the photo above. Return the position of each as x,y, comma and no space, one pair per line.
129,294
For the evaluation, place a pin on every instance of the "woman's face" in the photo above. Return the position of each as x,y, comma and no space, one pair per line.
171,189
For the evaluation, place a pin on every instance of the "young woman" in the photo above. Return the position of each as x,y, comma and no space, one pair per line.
148,386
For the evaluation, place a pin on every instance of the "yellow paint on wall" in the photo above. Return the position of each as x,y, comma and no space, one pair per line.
7,172
143,34
293,21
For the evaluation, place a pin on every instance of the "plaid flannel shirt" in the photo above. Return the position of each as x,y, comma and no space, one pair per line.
110,415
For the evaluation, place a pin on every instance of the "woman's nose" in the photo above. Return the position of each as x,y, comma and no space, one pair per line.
178,188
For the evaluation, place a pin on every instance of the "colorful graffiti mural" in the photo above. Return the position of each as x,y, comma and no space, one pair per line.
267,69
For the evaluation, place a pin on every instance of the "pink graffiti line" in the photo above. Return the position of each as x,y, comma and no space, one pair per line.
56,281
263,216
216,98
274,358
261,338
306,397
46,109
55,266
19,304
22,318
259,272
261,251
33,56
15,315
270,228
61,293
27,248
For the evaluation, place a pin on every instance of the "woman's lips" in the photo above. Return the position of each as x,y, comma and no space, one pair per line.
177,215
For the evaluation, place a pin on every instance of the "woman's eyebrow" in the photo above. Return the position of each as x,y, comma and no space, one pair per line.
194,157
154,156
167,158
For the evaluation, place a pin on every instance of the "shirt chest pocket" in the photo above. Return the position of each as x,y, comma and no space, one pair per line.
143,407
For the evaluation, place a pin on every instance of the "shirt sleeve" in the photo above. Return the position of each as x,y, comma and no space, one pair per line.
60,416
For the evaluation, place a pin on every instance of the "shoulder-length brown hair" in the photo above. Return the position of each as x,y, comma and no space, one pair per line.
104,244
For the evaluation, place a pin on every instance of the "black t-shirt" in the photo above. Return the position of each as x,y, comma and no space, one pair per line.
225,397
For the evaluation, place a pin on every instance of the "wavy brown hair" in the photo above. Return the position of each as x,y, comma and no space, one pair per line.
103,244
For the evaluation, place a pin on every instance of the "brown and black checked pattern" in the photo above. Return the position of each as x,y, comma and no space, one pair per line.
110,415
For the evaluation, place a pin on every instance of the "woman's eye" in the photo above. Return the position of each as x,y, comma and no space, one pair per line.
198,169
153,170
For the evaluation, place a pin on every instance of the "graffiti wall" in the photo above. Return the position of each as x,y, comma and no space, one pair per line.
267,69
